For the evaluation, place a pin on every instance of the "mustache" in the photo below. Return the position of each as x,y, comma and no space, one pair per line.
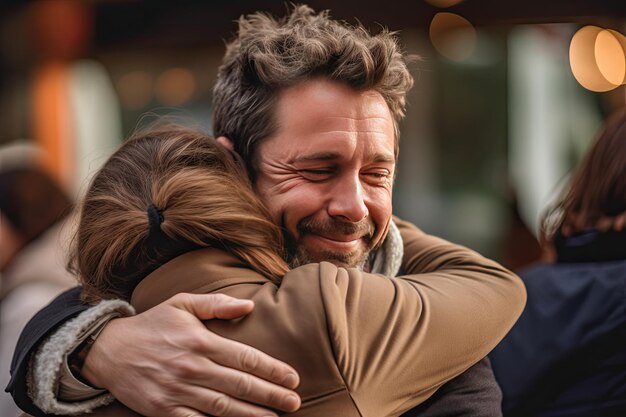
333,226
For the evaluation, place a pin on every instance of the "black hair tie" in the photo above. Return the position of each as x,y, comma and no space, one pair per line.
155,218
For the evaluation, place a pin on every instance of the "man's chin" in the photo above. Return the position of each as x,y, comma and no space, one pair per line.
343,260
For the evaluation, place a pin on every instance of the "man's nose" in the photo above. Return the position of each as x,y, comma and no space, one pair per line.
348,200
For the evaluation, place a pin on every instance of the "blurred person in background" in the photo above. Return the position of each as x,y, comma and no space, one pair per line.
566,356
34,231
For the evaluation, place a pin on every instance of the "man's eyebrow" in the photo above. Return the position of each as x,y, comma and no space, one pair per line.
333,156
319,156
385,158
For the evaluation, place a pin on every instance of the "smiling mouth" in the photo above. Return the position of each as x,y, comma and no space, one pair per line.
341,238
337,243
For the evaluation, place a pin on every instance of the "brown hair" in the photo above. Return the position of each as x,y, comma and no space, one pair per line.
269,55
597,188
32,201
200,190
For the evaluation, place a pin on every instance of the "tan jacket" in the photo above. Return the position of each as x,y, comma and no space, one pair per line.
363,344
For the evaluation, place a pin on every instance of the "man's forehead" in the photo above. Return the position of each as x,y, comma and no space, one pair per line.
334,156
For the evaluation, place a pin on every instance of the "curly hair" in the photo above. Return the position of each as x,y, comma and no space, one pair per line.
269,55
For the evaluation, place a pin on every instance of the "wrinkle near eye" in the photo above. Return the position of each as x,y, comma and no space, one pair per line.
282,176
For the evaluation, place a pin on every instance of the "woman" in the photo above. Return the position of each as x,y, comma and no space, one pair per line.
566,356
172,211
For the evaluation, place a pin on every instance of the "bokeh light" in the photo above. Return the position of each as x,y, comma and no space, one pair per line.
61,28
175,86
453,36
610,57
135,90
598,58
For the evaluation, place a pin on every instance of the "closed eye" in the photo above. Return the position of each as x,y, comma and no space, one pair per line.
379,177
317,174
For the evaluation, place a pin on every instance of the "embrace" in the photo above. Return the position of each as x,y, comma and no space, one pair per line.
289,207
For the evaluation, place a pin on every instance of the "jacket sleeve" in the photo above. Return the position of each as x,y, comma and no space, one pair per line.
397,340
61,309
389,342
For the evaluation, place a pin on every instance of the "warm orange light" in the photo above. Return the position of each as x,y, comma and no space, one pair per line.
610,57
582,56
135,90
175,86
443,3
622,41
453,36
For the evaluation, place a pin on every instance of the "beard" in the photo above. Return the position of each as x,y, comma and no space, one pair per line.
298,254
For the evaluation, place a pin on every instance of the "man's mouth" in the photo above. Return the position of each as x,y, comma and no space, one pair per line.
344,244
334,243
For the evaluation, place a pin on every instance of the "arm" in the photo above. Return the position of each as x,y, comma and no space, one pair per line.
121,354
390,342
475,392
64,307
434,325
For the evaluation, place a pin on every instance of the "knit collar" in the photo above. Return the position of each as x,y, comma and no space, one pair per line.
388,258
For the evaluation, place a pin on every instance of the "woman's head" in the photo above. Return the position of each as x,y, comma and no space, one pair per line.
198,195
598,187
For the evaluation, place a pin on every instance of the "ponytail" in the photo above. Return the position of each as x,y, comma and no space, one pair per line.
165,192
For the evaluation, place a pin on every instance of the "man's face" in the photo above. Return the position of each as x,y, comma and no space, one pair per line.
326,175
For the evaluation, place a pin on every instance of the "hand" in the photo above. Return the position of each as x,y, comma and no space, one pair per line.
164,362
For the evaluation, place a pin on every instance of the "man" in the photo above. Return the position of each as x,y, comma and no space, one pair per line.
313,108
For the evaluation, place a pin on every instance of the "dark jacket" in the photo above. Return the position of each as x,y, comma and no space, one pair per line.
566,356
61,309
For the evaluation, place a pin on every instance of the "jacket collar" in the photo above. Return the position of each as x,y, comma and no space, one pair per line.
591,245
199,272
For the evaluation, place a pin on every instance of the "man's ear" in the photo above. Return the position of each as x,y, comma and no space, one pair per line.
224,141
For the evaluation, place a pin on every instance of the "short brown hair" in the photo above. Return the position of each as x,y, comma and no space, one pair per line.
597,188
271,54
203,195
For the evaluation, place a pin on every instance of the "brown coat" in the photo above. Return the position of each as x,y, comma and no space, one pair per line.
363,344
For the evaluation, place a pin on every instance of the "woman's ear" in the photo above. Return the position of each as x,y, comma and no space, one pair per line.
224,141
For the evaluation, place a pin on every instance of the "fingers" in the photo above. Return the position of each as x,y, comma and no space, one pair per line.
252,361
186,412
230,353
235,369
235,384
206,401
210,306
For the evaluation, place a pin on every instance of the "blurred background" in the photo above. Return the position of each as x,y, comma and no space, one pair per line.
508,94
